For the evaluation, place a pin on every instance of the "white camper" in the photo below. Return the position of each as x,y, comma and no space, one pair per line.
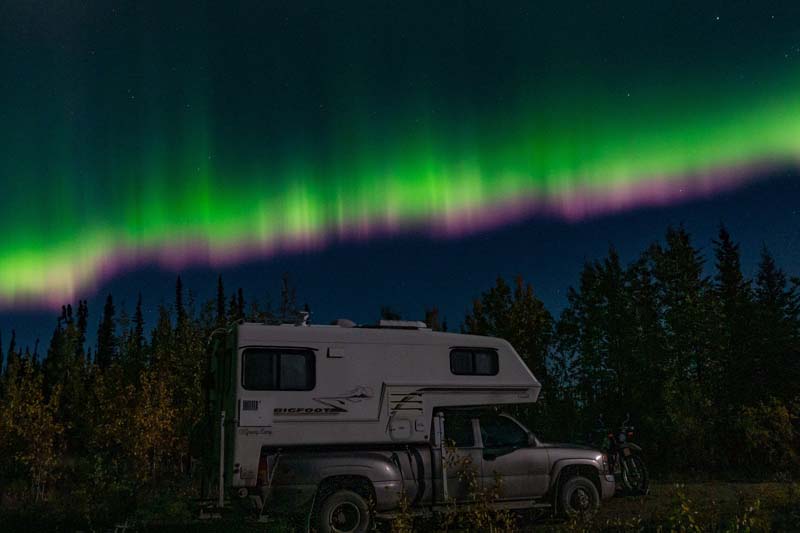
283,386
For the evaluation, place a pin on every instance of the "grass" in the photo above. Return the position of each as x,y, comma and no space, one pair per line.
690,507
696,507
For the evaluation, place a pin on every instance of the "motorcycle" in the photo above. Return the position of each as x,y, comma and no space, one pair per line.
625,459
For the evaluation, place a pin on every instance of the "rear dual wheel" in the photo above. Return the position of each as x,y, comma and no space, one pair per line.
343,511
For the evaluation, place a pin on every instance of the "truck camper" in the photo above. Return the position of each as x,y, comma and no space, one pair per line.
329,417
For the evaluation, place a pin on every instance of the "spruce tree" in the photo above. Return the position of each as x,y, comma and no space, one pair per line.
233,308
180,310
432,318
737,365
690,401
106,336
777,323
288,308
57,361
12,357
138,324
519,317
682,290
81,328
239,303
221,320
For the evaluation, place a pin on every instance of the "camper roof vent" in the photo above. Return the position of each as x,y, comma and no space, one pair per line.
345,323
402,324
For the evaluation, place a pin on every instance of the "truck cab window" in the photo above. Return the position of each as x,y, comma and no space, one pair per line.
502,432
458,428
278,369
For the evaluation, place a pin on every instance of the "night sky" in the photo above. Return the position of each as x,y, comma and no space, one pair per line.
383,153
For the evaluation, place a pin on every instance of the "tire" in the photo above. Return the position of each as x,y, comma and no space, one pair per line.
578,497
344,511
635,477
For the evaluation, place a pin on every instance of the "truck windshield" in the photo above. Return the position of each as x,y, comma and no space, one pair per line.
501,432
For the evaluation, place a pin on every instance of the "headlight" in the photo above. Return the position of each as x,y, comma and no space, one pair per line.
604,462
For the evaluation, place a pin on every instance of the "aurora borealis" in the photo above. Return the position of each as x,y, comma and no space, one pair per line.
135,137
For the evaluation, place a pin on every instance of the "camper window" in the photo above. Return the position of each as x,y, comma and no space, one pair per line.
466,362
278,369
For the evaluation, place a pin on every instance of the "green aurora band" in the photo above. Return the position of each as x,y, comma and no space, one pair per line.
177,192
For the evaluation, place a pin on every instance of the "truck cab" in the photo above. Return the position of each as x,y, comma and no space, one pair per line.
500,449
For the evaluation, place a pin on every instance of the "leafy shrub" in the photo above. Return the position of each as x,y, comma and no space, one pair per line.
769,438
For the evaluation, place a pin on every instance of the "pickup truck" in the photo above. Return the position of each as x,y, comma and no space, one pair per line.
345,489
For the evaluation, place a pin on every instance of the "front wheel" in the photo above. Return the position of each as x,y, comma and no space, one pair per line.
344,511
578,498
635,478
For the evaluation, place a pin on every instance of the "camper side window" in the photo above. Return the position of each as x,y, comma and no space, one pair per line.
465,362
278,369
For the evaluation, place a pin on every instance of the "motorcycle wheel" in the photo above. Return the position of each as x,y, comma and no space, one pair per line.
635,478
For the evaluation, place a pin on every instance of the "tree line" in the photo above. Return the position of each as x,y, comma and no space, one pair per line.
708,366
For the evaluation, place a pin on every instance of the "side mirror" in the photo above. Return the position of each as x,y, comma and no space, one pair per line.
531,440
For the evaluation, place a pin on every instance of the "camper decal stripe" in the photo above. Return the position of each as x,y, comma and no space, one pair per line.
334,405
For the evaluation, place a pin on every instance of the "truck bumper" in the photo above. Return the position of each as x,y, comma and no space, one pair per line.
608,486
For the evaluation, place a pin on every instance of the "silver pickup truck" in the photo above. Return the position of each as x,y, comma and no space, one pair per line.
345,489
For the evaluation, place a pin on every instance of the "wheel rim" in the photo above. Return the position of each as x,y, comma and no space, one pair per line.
580,500
634,476
345,517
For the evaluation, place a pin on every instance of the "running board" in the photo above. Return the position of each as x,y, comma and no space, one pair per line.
505,505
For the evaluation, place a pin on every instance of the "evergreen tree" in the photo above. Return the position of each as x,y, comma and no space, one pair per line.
221,320
685,296
240,304
581,339
432,318
12,357
233,308
57,361
12,345
106,351
519,317
180,310
132,356
138,325
649,362
682,291
82,327
777,323
737,366
288,308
